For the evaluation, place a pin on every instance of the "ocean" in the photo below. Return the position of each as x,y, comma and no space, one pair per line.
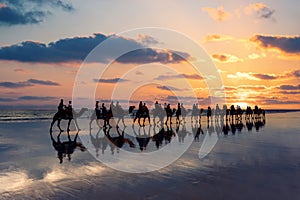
258,163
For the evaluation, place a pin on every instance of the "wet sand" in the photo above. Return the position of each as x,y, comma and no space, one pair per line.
246,165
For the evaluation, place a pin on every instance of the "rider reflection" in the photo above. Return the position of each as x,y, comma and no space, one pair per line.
66,148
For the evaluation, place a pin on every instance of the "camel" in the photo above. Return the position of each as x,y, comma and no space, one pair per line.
105,117
169,113
159,112
142,113
63,116
117,112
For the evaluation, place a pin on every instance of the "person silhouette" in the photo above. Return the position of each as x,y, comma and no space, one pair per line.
104,110
139,112
97,110
61,107
208,113
156,105
69,109
112,106
178,113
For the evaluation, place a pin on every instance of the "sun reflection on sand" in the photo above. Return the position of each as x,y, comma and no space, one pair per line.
19,180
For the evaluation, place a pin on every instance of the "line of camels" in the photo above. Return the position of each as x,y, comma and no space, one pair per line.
114,138
159,112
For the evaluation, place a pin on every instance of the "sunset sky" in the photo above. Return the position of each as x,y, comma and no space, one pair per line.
255,46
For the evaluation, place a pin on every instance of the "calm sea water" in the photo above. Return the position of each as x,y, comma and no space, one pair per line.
261,163
24,115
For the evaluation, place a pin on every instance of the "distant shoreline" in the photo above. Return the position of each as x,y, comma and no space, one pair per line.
281,110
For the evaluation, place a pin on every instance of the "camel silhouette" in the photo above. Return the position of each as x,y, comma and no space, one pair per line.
64,116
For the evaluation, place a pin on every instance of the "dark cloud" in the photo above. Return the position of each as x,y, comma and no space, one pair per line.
7,84
10,16
266,13
290,92
284,43
30,82
58,3
180,76
289,87
169,88
252,87
147,55
14,12
296,73
6,99
112,80
76,49
280,102
39,98
265,76
261,10
41,82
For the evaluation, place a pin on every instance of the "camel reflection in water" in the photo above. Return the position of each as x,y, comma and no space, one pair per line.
65,148
152,137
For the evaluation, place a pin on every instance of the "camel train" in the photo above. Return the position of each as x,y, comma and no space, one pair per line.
164,114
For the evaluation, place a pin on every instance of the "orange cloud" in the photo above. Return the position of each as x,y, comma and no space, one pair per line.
226,58
218,14
216,37
261,9
20,70
254,56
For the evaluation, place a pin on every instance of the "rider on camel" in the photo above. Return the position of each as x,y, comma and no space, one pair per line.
69,109
61,107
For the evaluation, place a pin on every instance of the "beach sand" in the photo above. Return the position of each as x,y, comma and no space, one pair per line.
253,164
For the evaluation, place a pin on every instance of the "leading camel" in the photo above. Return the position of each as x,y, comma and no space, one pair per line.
63,116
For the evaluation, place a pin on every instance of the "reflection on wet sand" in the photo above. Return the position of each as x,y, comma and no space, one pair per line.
155,136
160,135
65,148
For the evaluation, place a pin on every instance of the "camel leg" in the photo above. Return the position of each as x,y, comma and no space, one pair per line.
58,137
108,123
58,125
104,120
76,124
52,123
118,122
69,122
123,121
135,118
